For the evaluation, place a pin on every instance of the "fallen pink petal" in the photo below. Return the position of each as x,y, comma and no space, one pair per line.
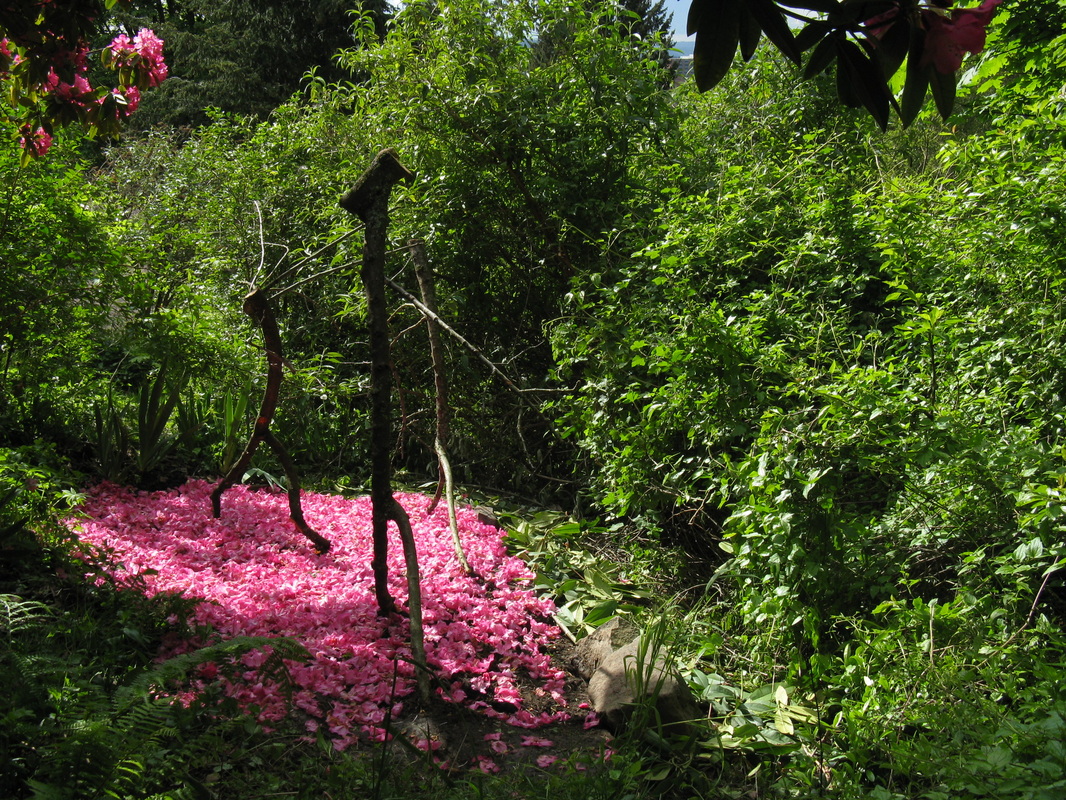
258,576
536,741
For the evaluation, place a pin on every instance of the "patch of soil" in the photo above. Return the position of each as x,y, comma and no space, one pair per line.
465,739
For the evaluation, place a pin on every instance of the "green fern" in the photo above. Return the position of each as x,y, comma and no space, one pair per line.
18,615
68,735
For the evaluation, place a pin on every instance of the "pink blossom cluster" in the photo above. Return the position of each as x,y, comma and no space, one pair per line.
259,576
36,142
48,75
144,55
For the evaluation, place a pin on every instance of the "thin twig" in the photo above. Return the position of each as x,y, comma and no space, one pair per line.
1028,619
262,246
466,343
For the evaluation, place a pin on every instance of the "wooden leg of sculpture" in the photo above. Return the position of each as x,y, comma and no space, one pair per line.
440,384
258,308
368,199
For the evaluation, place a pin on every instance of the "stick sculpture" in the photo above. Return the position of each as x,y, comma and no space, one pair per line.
440,383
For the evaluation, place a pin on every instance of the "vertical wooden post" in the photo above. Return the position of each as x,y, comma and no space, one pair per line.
368,199
440,384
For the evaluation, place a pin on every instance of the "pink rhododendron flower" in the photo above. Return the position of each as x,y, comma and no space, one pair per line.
546,760
37,142
591,720
121,46
150,48
130,97
949,37
949,34
79,92
487,765
144,53
260,577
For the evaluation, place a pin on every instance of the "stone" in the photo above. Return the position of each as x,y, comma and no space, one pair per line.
618,681
590,652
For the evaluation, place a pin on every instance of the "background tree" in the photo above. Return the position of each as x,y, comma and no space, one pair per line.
646,21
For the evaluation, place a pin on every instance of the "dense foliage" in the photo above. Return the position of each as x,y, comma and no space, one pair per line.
803,377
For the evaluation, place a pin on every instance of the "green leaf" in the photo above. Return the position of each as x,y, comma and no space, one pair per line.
943,87
822,56
860,81
750,34
893,47
823,6
813,33
773,24
917,79
716,24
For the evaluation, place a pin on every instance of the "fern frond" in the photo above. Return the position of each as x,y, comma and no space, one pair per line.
177,670
18,614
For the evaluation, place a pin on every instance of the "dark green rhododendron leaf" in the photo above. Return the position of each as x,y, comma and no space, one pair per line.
860,81
814,33
822,56
824,6
893,46
943,87
750,34
716,24
772,21
846,79
917,79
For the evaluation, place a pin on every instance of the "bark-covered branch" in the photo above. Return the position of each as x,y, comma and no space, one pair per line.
369,200
440,383
257,306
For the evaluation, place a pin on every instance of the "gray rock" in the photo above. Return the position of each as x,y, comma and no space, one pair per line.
619,681
594,648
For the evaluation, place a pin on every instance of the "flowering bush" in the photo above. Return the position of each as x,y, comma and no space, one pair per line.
868,40
259,576
44,59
